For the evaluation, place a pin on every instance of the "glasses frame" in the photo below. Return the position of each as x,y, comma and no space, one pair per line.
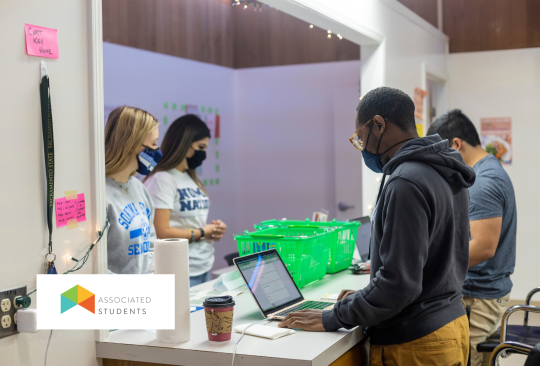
355,143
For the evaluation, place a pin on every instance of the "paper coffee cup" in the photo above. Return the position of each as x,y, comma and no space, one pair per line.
218,312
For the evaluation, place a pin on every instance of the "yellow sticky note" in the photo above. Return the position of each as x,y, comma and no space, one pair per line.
420,129
70,195
72,224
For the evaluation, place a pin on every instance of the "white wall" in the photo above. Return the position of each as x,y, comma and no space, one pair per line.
409,43
395,44
507,84
148,80
285,119
22,193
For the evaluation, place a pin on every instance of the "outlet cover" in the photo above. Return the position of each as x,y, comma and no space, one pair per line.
10,294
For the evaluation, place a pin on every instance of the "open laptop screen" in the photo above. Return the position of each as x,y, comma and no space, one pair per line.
268,279
363,237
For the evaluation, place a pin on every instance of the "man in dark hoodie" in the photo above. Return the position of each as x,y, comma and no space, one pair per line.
419,243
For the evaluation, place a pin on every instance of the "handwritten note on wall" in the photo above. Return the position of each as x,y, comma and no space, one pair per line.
68,210
41,41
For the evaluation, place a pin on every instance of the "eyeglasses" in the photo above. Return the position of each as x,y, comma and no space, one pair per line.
355,139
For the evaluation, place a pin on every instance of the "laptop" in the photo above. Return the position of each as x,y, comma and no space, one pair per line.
272,286
363,238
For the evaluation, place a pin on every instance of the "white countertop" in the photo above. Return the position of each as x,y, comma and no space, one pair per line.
301,348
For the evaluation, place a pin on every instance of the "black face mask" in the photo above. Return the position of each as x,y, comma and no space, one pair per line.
196,160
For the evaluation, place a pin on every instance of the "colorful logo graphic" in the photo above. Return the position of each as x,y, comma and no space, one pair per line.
78,295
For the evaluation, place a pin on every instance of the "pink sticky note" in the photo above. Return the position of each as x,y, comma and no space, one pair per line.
81,208
63,213
41,41
70,209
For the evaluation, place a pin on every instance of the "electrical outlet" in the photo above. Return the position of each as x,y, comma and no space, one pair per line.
15,302
8,320
5,305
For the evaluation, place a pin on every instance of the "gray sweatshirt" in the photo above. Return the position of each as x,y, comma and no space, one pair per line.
131,236
419,247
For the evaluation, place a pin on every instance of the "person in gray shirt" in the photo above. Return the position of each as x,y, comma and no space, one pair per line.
493,225
131,136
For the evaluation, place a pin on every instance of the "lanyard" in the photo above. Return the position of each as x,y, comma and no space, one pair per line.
48,146
375,212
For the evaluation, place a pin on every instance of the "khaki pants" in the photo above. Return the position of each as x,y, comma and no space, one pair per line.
447,346
485,318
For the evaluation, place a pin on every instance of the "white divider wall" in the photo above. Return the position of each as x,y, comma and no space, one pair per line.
286,139
395,43
22,197
507,84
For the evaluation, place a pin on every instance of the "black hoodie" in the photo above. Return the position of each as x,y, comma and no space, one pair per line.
419,247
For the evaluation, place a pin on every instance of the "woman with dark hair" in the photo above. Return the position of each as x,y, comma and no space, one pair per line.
180,198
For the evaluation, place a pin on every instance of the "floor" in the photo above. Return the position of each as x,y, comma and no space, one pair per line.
517,318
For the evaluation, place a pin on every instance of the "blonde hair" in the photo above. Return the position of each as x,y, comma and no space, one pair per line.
126,129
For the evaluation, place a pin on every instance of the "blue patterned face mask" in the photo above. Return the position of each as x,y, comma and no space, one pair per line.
148,159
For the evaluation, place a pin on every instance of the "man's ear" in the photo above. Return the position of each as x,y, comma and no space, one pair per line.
457,144
379,123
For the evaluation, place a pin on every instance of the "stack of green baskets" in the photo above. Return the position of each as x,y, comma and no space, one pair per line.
302,249
339,249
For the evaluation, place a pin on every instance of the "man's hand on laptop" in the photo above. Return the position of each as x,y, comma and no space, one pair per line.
308,319
344,294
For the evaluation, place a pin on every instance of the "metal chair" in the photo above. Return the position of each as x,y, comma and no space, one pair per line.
533,358
514,334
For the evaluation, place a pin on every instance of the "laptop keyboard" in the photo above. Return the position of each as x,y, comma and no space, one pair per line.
305,305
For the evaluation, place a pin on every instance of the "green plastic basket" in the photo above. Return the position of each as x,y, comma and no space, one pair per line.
340,248
302,249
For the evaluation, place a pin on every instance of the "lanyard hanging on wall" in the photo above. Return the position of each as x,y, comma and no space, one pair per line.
48,145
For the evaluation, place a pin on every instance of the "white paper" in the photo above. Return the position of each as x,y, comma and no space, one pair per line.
263,331
229,281
329,296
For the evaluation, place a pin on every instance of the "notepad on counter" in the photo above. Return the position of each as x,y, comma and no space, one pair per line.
263,331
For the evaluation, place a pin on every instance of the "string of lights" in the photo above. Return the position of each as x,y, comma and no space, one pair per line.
246,4
81,262
256,3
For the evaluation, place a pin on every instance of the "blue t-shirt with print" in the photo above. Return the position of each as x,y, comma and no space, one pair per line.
492,195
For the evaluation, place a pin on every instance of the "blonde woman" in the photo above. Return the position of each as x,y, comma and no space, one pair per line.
131,136
182,204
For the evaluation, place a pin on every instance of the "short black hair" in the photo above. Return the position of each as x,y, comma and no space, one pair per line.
455,124
389,103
